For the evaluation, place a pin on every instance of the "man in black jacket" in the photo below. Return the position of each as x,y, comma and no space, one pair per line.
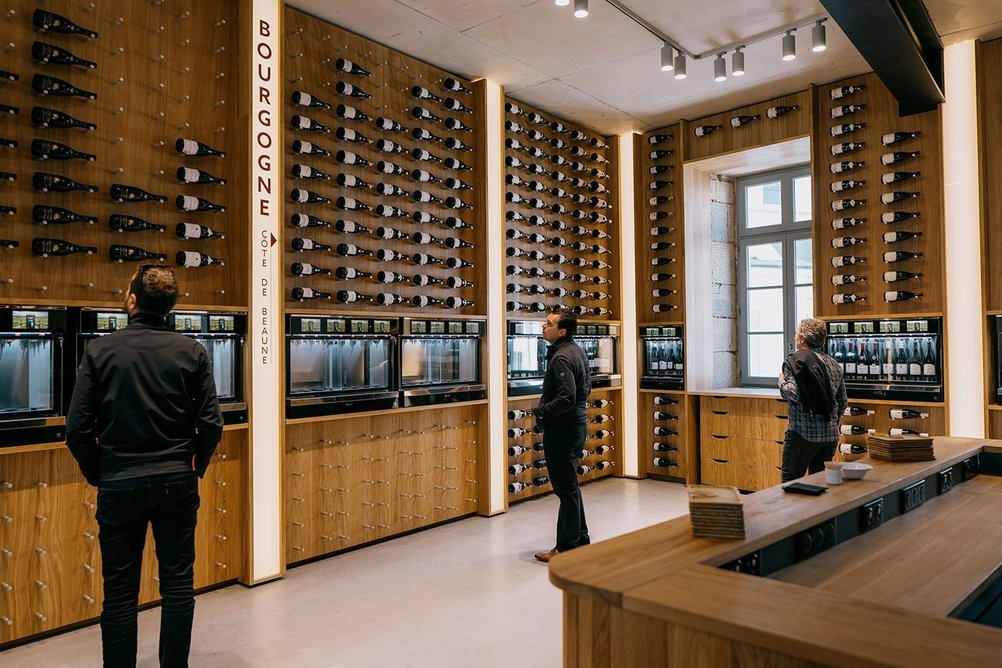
563,417
143,423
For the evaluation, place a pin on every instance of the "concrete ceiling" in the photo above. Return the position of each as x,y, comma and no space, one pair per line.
603,71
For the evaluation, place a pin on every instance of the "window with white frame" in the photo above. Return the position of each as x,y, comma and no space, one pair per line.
775,268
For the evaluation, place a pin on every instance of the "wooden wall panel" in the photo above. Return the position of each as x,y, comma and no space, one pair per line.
759,132
659,204
878,116
990,136
312,48
356,479
684,467
535,144
164,71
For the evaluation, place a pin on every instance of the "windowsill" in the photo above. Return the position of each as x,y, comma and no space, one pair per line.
749,392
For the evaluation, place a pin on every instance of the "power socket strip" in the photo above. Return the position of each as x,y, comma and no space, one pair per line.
913,496
945,480
872,515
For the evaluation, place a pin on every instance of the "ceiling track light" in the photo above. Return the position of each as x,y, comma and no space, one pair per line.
789,45
680,66
562,3
720,68
738,62
819,38
581,8
667,55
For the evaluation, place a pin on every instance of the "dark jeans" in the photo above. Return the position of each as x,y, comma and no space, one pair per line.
561,445
801,456
124,510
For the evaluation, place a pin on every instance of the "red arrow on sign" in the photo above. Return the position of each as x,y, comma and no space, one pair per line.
273,240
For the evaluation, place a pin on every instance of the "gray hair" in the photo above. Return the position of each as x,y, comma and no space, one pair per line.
813,332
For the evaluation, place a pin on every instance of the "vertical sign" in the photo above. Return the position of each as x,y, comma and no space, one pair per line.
265,327
628,287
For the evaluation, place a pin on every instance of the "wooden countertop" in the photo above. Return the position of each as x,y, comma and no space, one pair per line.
746,392
663,571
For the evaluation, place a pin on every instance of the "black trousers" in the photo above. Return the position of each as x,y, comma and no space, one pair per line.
562,445
801,456
125,508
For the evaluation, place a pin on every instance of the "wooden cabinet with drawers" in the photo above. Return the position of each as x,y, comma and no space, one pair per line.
741,441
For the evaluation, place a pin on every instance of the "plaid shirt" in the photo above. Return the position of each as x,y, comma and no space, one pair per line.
809,426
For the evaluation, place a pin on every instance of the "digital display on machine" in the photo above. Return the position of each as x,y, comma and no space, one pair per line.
187,322
455,328
221,323
860,327
109,322
309,325
840,327
473,328
889,326
418,327
29,320
335,326
382,326
360,326
437,327
917,325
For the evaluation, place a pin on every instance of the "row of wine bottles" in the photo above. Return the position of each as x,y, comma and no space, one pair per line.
301,294
48,247
664,244
888,360
740,121
666,451
856,430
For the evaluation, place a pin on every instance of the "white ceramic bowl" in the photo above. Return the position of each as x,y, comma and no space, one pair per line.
854,470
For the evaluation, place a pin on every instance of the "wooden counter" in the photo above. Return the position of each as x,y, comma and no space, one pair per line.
657,597
746,392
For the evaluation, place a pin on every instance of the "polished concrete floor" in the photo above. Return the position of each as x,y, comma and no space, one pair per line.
464,594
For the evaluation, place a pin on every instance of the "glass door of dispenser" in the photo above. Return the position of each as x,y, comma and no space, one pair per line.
28,369
224,361
664,358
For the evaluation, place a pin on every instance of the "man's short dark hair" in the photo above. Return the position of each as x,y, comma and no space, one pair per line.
155,288
566,320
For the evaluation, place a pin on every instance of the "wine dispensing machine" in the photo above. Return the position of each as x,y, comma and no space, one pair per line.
898,359
526,351
34,380
440,361
664,357
340,364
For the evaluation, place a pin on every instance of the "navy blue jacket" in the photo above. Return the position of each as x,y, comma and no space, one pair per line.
566,385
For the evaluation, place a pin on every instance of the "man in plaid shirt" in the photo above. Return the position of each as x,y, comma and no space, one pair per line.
811,436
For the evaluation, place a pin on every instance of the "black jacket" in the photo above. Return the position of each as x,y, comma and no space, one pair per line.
144,404
566,385
813,384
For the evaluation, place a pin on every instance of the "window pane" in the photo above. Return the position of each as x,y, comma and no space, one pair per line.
802,198
765,264
765,355
763,205
802,261
805,302
765,310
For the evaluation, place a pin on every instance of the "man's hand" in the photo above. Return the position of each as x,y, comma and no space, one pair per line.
782,376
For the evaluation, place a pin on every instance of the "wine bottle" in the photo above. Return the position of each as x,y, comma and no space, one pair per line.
899,256
663,415
664,447
843,204
897,156
304,196
540,481
191,203
704,130
191,147
46,85
845,91
423,114
894,237
846,128
851,449
457,125
308,294
307,269
846,110
348,112
846,260
660,261
458,263
847,298
196,231
895,177
906,413
351,297
390,255
306,220
851,184
350,204
350,274
9,244
303,99
387,146
49,53
661,400
847,279
306,245
856,410
457,302
516,469
664,431
844,223
44,215
739,121
900,295
391,277
897,137
306,123
854,430
422,300
901,431
10,110
345,88
351,250
780,110
45,117
847,166
847,147
516,487
664,463
350,158
455,144
45,149
895,276
308,148
45,20
124,193
456,203
120,223
119,253
345,65
459,165
929,368
387,167
661,276
299,171
845,242
45,247
189,175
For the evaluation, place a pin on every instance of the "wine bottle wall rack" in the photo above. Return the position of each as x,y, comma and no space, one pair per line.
527,475
559,175
660,227
878,417
405,220
989,137
161,72
665,454
866,116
